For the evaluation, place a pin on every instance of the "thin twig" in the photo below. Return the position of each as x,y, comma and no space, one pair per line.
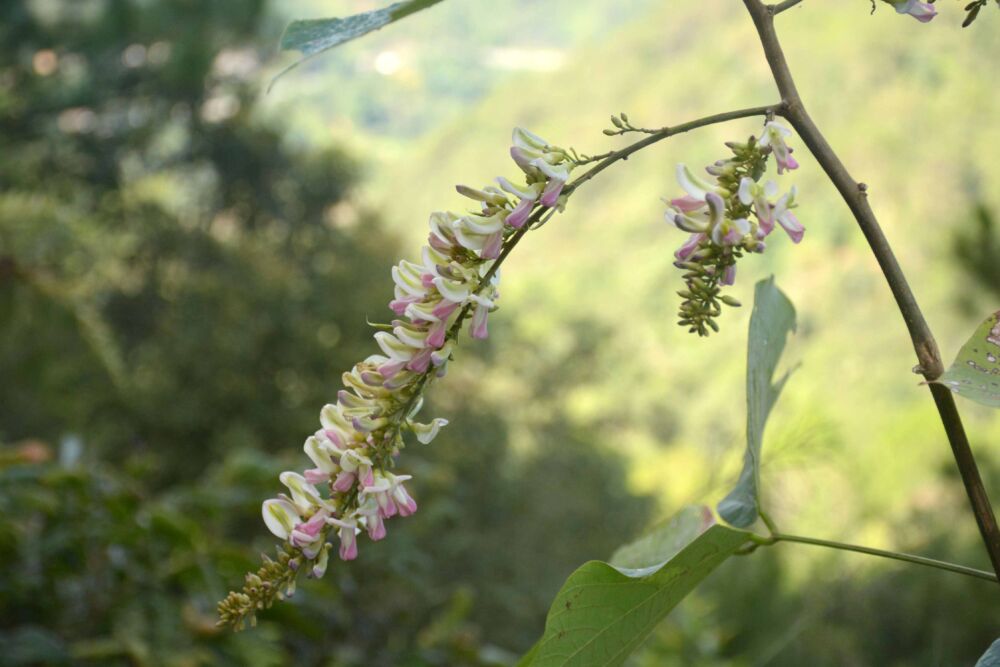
782,6
855,195
663,133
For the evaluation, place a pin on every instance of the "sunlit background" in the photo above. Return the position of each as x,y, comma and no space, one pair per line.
187,264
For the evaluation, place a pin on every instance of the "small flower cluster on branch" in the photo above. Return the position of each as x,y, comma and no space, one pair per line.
727,214
351,488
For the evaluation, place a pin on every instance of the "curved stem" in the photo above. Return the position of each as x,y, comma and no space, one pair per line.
882,553
772,527
855,195
618,156
665,132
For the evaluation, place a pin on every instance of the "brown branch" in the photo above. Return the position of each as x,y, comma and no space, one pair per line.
856,197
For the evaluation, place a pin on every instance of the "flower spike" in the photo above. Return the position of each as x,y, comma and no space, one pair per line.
350,489
729,214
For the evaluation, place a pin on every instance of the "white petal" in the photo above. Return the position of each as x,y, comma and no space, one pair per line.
304,494
452,290
427,432
746,183
280,517
392,346
320,455
694,186
523,138
331,417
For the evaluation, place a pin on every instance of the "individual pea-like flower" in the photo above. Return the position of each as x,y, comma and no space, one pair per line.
541,162
728,213
783,214
773,137
922,11
768,213
350,490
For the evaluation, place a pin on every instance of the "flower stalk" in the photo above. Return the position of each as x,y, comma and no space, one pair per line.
776,537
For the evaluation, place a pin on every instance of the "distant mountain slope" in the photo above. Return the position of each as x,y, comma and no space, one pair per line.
416,75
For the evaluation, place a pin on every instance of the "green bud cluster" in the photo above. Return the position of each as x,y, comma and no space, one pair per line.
749,159
703,302
621,125
273,581
702,299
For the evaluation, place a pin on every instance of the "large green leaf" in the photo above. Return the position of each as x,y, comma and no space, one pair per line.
772,319
992,656
315,36
604,612
976,371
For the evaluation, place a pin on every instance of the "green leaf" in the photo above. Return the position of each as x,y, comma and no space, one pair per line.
976,371
992,656
529,657
772,319
315,36
604,612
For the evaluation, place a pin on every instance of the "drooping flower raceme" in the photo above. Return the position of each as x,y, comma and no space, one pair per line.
351,488
727,213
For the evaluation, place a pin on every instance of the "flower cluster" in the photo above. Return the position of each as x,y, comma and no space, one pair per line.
351,488
727,214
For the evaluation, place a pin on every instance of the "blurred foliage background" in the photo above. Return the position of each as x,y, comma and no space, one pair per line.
186,266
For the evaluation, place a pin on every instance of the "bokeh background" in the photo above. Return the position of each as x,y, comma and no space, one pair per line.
187,263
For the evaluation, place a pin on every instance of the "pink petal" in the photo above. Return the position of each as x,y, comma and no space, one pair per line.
444,309
398,306
792,225
315,476
420,361
550,196
349,551
376,528
687,203
344,482
729,276
519,215
391,367
491,249
437,333
478,326
689,246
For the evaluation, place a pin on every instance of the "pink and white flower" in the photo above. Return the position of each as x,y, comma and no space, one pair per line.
784,216
759,196
774,137
922,11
